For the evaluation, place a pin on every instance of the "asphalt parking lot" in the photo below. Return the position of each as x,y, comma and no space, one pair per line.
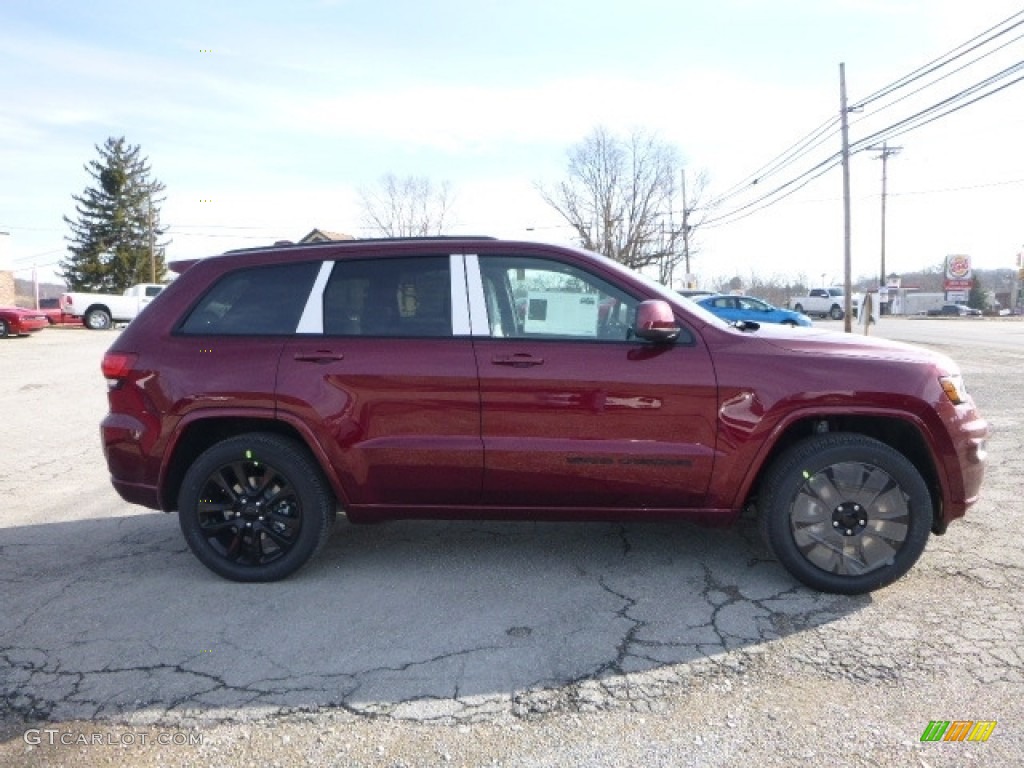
507,644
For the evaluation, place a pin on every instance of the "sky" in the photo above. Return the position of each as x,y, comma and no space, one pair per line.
265,119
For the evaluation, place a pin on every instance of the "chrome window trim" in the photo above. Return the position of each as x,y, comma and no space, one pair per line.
460,302
478,322
312,319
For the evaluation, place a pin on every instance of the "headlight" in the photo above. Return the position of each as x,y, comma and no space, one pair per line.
953,386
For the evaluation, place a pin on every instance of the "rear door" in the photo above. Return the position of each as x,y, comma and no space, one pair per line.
383,369
575,413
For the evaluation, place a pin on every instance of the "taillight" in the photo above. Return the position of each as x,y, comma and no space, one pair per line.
117,365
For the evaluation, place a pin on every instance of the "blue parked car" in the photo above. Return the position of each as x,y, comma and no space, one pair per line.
732,308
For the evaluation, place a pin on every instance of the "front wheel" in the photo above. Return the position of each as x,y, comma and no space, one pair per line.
97,320
255,507
845,513
4,330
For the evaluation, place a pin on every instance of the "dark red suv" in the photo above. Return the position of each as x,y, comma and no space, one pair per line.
465,378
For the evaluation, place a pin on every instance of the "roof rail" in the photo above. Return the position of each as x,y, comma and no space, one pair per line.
343,243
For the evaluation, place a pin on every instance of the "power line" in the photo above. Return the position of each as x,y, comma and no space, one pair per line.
27,259
937,80
891,131
785,158
939,109
807,177
923,117
940,62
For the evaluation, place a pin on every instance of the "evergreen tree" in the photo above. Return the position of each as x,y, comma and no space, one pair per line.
977,298
110,240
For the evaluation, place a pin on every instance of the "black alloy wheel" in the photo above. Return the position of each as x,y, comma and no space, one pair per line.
255,507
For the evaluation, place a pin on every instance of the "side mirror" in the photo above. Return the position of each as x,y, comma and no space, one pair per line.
656,322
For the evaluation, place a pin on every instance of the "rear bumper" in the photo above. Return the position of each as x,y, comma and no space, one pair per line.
136,493
133,472
25,327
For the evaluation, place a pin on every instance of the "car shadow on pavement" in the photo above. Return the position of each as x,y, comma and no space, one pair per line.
114,618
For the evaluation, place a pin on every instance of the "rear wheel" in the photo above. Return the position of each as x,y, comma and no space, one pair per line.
798,308
836,313
97,320
255,507
4,330
845,513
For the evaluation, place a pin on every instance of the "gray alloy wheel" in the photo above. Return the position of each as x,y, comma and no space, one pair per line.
97,320
845,513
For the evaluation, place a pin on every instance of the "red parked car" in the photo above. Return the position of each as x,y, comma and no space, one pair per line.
469,378
15,321
55,315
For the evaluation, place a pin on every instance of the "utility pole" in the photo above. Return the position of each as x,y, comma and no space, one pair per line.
686,230
847,259
886,153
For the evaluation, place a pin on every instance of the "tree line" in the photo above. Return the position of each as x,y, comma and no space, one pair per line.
622,196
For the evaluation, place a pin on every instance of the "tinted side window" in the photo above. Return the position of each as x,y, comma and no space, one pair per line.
254,302
389,297
536,298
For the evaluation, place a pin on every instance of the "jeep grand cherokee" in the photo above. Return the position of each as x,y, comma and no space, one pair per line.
463,378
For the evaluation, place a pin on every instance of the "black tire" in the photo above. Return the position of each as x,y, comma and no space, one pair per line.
836,313
97,320
798,308
845,513
790,323
4,330
255,507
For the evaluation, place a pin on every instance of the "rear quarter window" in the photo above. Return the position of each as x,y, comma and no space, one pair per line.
255,301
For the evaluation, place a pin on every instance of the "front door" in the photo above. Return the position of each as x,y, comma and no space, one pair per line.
575,413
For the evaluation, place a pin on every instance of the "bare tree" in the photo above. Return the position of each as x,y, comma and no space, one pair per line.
408,207
620,197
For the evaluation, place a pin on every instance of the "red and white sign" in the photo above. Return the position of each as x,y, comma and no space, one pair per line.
958,267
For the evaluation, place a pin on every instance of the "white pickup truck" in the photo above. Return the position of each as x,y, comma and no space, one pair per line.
824,302
100,311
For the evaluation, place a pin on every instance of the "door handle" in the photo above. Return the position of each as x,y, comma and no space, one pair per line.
322,356
518,360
